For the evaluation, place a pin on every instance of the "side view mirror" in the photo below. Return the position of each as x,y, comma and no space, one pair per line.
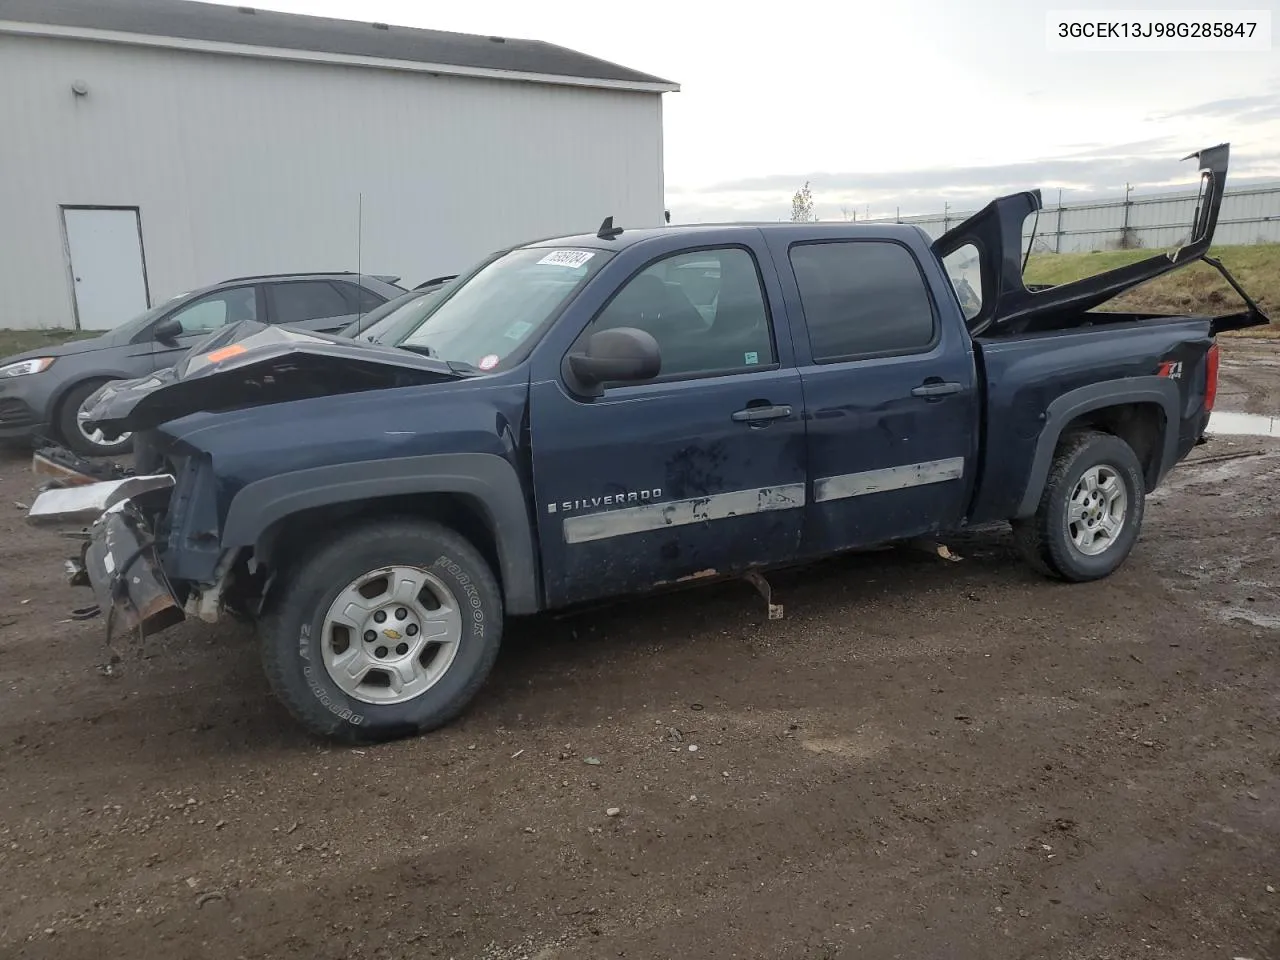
167,330
623,354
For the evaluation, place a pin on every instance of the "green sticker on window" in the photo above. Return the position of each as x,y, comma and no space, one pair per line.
750,358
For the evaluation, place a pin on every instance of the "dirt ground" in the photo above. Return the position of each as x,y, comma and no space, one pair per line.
923,759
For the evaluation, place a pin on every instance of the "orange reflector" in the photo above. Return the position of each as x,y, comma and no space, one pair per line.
225,352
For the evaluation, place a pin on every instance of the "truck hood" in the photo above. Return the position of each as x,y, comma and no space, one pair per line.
250,364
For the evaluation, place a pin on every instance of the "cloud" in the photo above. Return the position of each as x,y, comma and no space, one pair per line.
1262,108
1163,146
1085,175
1077,170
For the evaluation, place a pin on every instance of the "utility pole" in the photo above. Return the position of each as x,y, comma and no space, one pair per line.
1124,231
1057,243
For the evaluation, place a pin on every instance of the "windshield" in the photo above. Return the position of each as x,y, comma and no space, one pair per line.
365,324
503,306
404,318
131,327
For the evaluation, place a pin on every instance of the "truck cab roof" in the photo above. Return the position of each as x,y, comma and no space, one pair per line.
629,237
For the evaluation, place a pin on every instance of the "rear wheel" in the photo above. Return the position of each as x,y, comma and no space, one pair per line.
77,435
387,631
1090,512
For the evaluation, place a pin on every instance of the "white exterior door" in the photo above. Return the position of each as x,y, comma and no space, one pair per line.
108,276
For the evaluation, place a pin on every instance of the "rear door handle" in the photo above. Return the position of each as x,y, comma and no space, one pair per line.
759,414
936,388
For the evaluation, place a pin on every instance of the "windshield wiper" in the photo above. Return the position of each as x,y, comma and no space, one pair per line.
463,369
459,367
423,349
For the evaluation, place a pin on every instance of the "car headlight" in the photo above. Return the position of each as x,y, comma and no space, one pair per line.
24,367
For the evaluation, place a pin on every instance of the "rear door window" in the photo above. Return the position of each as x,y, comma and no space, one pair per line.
359,299
303,300
862,298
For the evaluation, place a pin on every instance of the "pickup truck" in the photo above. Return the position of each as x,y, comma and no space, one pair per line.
587,417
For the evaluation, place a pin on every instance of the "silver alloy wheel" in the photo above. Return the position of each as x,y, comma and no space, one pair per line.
1096,510
96,437
391,634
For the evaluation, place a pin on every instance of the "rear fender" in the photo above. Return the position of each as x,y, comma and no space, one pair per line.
1161,391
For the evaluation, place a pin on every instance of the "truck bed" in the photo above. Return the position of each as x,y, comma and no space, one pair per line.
1024,373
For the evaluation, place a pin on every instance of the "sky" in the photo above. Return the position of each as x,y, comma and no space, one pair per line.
895,107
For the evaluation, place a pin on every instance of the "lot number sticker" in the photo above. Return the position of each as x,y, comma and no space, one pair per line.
567,258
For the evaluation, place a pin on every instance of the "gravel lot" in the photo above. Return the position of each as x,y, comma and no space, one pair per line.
923,759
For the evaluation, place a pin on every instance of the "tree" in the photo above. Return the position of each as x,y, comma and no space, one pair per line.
802,206
848,214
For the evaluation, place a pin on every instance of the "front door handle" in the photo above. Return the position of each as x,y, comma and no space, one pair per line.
936,388
760,414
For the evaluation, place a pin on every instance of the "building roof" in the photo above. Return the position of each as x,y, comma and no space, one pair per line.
246,30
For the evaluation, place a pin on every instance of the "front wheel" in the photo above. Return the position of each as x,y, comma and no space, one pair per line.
1090,512
389,630
77,434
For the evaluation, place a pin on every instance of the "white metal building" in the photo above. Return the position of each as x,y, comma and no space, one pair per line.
151,146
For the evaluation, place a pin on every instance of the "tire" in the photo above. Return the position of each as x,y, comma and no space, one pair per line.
74,435
302,642
1051,543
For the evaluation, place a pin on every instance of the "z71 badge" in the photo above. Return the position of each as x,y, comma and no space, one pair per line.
609,500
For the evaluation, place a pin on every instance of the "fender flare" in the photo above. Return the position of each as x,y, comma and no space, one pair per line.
486,478
1160,391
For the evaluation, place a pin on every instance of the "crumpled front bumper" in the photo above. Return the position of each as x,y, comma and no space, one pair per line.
129,585
119,557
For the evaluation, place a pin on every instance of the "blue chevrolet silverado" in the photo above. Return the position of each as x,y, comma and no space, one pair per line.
594,416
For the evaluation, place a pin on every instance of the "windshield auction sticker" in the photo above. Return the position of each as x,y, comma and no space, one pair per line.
567,258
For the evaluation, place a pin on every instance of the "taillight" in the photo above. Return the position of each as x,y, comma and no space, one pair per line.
1211,379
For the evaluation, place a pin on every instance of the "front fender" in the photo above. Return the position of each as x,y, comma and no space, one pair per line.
488,479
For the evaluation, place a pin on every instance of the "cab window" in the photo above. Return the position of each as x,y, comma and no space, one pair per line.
706,309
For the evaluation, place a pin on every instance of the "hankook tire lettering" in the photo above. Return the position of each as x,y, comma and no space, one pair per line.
473,595
340,710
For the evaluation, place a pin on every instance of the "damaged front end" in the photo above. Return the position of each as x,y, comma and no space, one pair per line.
123,568
150,549
118,559
151,540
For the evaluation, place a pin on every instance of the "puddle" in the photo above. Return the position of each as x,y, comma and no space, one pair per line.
1243,424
